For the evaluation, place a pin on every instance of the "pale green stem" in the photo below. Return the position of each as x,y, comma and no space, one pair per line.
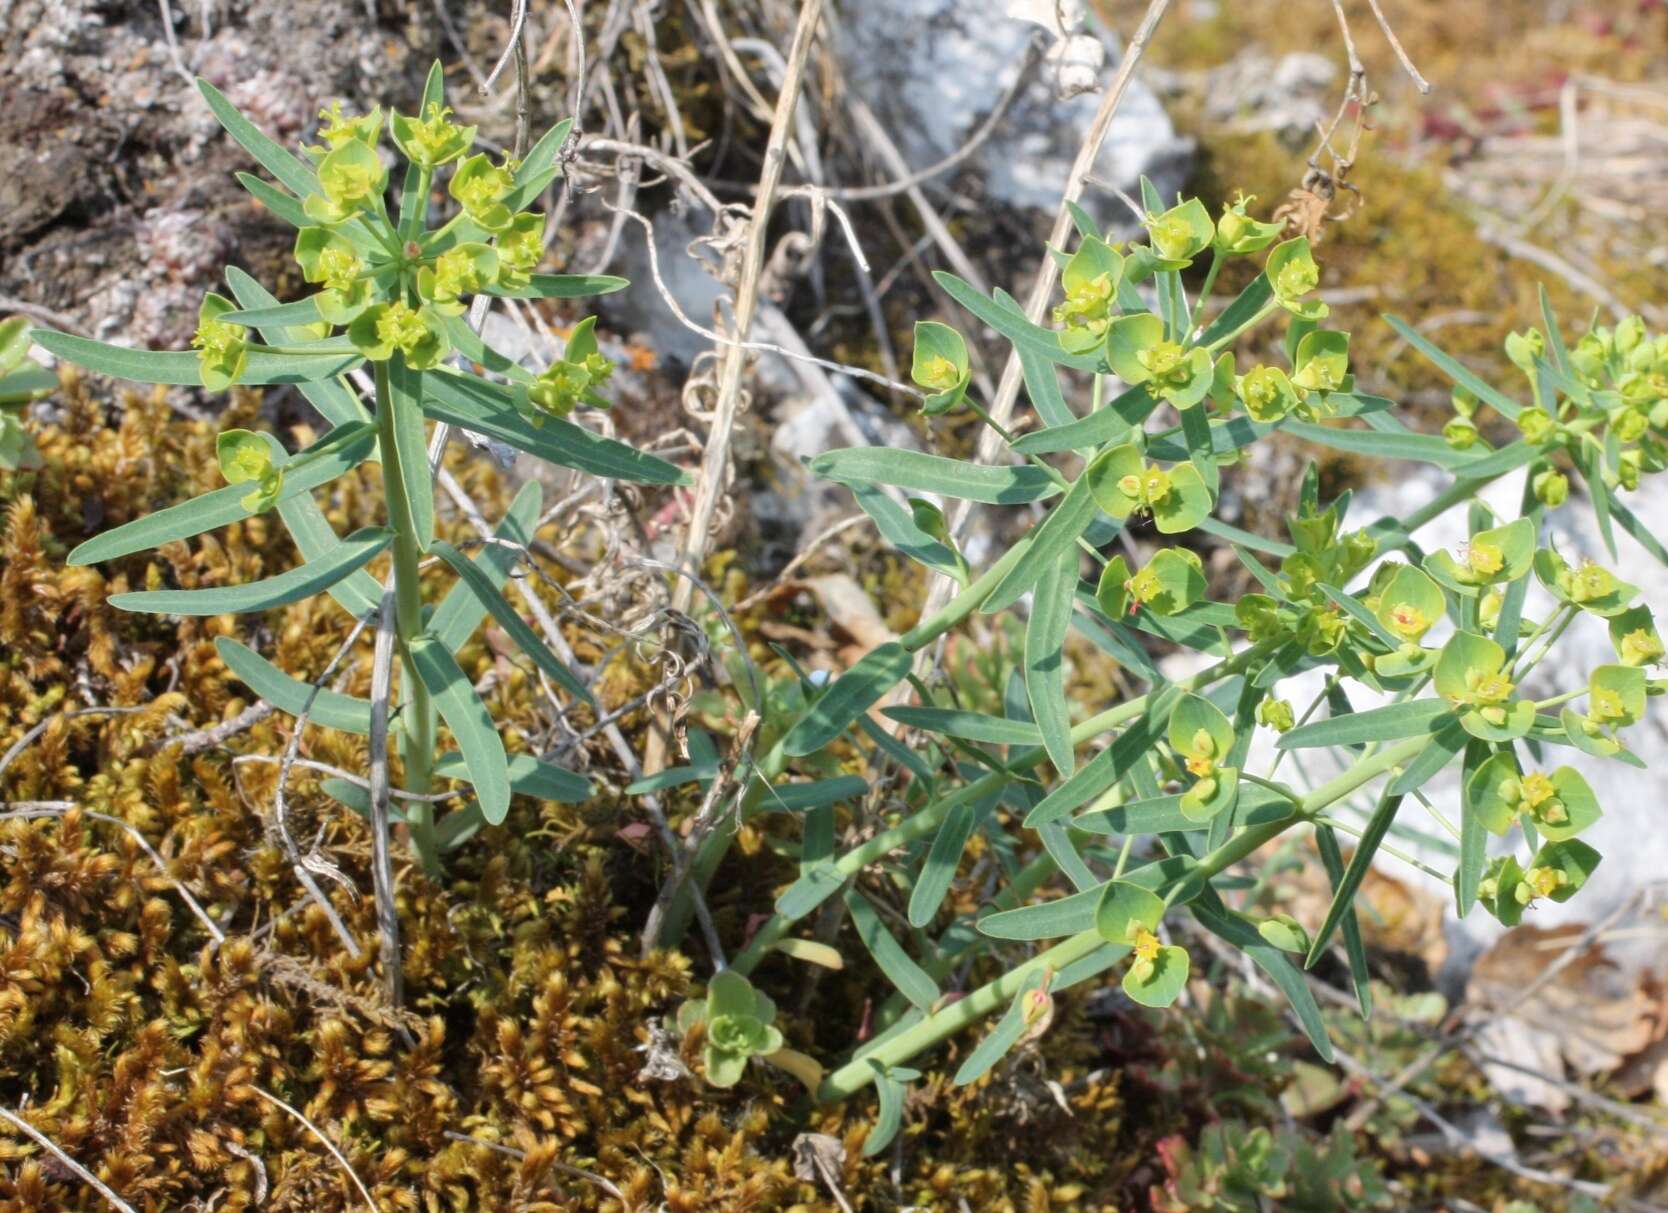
1198,316
1528,662
418,714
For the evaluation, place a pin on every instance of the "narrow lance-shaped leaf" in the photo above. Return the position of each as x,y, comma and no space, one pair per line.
561,286
900,528
528,775
852,694
1045,674
1004,1036
331,397
526,639
967,725
1326,842
351,554
1454,369
461,611
889,1096
342,449
325,707
900,968
921,473
405,391
464,713
182,367
1224,923
1344,897
489,409
1473,856
283,164
938,871
1051,539
1414,718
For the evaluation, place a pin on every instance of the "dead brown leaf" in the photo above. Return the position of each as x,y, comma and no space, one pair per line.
1588,1019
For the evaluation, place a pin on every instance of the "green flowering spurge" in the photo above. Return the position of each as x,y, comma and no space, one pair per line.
391,292
22,380
1125,826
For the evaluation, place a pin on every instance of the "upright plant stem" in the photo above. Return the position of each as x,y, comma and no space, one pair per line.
417,714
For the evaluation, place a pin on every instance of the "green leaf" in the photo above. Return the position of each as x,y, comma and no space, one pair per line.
1042,386
351,554
1353,607
561,286
1163,814
1003,1037
853,693
1640,532
968,726
405,391
1448,740
334,401
814,794
1099,773
480,584
889,1097
1236,930
1326,842
528,775
1198,729
1111,420
1021,332
461,611
301,313
938,871
540,166
330,709
464,713
1414,718
899,527
1378,825
1455,370
1052,540
489,408
182,367
1045,669
1247,306
1421,448
290,170
1473,856
1160,984
922,473
343,448
814,886
1123,909
1046,920
909,978
358,593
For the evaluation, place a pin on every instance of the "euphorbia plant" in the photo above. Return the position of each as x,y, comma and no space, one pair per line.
391,299
22,379
1145,807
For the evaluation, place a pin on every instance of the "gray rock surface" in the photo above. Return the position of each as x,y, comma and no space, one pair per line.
934,69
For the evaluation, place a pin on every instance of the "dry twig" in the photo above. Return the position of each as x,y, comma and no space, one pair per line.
81,1172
